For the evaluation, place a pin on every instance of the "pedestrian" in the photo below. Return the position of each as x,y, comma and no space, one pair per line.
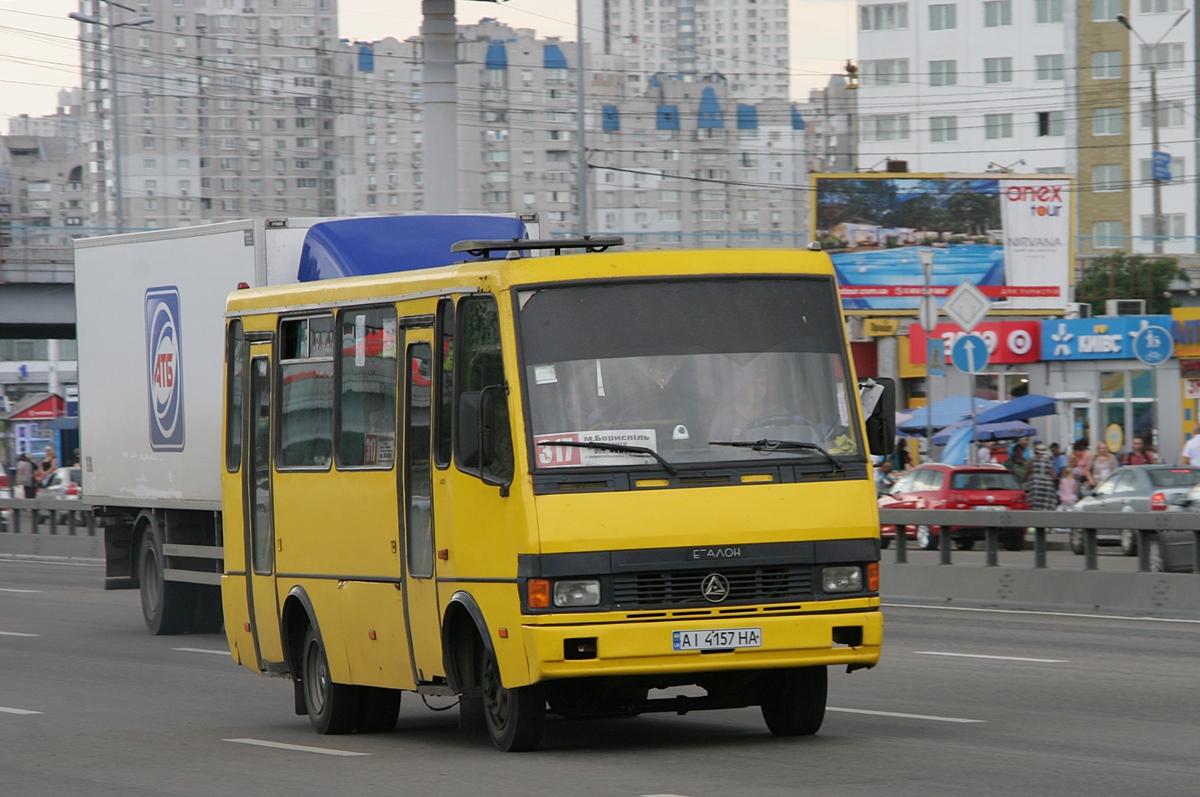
1139,454
983,456
883,477
1039,480
46,469
25,476
1104,464
1191,449
1059,459
1016,462
1068,489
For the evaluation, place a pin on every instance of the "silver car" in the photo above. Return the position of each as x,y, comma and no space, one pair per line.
1134,488
64,484
1174,548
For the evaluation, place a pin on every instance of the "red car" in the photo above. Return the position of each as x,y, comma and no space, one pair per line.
937,486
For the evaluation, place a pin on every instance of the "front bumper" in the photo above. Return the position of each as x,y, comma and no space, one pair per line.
644,646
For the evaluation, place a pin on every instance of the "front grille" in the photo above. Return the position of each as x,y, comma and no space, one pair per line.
675,588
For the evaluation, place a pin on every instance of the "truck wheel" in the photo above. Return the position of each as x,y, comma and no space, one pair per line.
515,717
166,605
793,701
332,707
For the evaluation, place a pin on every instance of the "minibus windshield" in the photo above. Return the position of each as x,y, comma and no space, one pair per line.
685,368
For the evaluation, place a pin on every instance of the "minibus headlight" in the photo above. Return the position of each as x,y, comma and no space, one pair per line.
576,593
842,579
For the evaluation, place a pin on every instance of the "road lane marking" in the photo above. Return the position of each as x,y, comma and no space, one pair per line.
14,633
296,747
929,717
26,591
1043,612
982,656
6,710
203,650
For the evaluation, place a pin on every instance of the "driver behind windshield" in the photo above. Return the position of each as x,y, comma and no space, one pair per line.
748,405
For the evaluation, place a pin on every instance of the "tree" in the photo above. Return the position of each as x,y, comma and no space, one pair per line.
1122,276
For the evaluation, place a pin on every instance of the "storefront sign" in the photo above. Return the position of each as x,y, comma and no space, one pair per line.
880,327
1007,341
1185,329
1109,338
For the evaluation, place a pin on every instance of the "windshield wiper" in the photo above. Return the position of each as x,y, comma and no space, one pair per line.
649,452
779,445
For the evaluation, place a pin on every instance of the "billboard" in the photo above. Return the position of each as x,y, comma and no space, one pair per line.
1010,236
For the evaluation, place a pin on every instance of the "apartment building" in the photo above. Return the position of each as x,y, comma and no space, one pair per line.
676,159
226,110
1039,86
746,41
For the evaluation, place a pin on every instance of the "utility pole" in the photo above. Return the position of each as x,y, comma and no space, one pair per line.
581,126
1156,153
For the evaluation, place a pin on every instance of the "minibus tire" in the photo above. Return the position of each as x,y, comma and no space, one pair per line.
793,701
167,606
380,709
515,717
333,708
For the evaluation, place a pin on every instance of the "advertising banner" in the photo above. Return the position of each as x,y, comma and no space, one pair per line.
1109,338
1008,236
1007,341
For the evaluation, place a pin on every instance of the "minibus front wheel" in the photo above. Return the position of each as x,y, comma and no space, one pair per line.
514,717
793,701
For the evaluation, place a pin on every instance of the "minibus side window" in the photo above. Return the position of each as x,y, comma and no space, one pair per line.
366,411
305,438
444,382
235,365
482,434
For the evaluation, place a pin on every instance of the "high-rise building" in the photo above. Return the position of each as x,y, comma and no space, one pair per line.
226,110
1041,86
746,41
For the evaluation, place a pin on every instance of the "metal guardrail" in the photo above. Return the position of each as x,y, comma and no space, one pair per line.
1144,524
31,515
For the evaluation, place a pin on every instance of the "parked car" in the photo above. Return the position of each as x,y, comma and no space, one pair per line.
1171,551
1133,488
887,531
980,487
65,484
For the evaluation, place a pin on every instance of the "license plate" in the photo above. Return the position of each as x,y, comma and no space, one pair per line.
717,639
992,508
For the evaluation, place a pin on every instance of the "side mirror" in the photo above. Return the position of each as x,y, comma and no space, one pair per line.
878,396
474,443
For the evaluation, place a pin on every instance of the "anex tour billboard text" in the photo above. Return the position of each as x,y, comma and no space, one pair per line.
1010,236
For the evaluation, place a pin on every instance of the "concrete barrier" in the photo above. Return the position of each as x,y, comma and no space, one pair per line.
1029,588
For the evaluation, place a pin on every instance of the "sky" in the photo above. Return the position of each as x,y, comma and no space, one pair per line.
39,54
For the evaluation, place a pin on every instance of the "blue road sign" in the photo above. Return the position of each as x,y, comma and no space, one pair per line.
1152,345
936,357
1160,164
970,354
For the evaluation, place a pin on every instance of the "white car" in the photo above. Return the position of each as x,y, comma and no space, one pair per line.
65,484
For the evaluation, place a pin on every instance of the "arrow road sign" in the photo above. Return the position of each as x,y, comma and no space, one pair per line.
970,354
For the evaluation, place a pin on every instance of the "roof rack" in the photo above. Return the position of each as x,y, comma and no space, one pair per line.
592,243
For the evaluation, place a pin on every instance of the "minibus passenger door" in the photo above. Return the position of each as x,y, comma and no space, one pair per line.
419,566
259,515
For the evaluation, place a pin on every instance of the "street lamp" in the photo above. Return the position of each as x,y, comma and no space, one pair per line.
109,23
1152,53
928,320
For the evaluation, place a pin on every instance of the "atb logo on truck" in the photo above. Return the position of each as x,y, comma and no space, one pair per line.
166,373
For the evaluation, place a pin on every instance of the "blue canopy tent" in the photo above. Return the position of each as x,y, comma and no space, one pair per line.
986,431
943,413
1019,409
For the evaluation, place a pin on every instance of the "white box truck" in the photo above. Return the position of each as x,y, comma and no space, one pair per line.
150,326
